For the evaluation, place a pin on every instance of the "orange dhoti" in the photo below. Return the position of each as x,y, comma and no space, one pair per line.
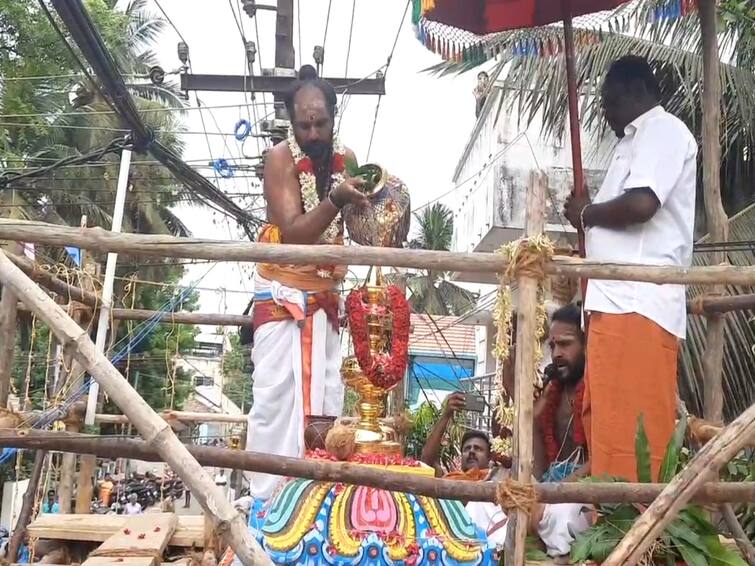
630,371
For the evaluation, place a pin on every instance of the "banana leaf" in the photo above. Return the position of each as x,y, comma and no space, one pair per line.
670,462
642,452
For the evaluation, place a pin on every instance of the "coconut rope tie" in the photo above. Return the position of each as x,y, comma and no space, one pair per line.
513,495
528,257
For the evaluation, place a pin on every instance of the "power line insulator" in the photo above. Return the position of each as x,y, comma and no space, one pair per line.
251,54
156,75
250,7
183,52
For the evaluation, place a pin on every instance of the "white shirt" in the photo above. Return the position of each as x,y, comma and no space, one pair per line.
132,508
658,151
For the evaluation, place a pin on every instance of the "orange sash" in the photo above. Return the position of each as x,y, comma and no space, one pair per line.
312,278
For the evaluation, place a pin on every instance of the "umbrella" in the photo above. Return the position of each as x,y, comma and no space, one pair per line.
481,17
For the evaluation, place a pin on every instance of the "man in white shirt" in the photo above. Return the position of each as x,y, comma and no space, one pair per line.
644,213
133,507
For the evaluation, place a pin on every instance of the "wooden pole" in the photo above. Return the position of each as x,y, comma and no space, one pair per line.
714,211
72,422
152,428
168,246
8,312
525,370
562,492
27,506
703,305
703,468
51,282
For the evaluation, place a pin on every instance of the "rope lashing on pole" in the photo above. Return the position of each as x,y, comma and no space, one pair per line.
512,494
526,257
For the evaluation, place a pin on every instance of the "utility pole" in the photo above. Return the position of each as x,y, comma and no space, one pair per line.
278,79
285,55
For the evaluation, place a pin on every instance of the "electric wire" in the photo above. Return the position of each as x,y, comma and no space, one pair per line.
387,65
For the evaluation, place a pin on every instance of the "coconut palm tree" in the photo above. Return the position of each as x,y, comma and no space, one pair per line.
536,84
431,291
64,117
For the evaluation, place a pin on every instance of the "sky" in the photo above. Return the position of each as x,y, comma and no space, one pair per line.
423,124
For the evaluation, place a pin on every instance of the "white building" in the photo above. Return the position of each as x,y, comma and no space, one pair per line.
492,179
205,362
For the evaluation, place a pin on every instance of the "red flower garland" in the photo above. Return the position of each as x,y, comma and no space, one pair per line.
547,418
385,370
337,164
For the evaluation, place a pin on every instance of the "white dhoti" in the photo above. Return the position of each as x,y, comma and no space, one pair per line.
295,366
559,527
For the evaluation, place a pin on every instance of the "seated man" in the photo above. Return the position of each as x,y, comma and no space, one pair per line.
558,441
560,448
475,445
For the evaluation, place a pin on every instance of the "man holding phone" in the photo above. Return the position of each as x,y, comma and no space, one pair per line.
475,444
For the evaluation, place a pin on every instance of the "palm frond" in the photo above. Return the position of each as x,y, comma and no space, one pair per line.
436,228
457,299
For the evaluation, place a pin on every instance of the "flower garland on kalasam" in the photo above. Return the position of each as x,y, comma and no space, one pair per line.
382,370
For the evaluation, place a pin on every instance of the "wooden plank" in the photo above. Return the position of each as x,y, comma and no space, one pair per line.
98,528
139,534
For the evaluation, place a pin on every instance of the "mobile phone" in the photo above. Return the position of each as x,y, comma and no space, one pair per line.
474,402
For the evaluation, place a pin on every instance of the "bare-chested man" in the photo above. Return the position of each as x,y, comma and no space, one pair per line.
297,352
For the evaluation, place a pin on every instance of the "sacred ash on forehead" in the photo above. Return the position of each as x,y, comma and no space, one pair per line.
311,108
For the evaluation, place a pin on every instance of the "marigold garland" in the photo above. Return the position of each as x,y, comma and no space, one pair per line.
528,254
385,369
547,418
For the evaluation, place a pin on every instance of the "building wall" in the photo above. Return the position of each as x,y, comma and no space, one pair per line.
494,172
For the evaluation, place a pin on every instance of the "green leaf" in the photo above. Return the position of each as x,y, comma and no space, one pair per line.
697,519
533,552
691,555
681,531
720,555
352,167
642,452
670,462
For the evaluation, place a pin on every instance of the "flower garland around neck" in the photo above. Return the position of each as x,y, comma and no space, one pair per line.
305,169
547,419
384,369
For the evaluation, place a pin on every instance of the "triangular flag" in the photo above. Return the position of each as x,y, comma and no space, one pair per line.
29,251
75,254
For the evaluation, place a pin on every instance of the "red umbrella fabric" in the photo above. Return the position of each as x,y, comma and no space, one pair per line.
489,16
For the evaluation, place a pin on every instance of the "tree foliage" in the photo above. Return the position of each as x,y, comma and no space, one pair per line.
431,291
50,110
536,85
237,373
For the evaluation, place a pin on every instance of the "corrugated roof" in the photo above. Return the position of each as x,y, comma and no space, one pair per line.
739,334
441,335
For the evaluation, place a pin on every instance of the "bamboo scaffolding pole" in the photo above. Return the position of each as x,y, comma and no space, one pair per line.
525,370
222,250
704,467
213,319
8,315
563,492
702,306
154,430
27,505
51,282
717,222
